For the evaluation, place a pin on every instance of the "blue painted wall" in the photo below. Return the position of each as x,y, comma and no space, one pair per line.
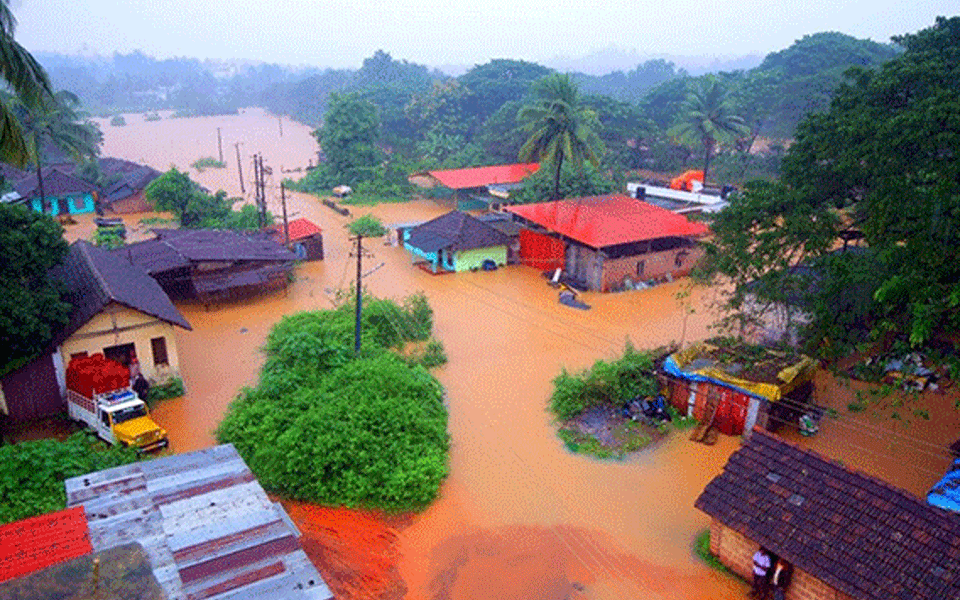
74,205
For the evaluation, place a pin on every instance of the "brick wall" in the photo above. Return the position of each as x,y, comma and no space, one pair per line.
655,266
736,552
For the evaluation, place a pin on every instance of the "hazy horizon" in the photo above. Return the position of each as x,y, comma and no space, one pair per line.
335,34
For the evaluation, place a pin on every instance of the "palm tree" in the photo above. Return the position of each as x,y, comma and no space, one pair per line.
57,120
707,119
28,81
560,127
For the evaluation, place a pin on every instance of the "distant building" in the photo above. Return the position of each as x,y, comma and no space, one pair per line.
477,188
849,536
456,241
126,192
608,243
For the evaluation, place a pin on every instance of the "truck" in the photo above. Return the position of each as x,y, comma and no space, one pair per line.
99,396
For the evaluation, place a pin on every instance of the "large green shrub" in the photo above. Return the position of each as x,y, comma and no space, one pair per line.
32,473
605,383
330,426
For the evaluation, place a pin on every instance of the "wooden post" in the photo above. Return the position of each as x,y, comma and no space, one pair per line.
239,167
220,144
256,189
283,203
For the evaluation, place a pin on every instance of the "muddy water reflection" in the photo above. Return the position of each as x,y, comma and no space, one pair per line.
519,515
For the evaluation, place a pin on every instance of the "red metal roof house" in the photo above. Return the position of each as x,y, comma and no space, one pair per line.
609,242
476,187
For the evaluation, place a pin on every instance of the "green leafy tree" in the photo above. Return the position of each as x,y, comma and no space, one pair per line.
349,136
493,84
367,226
58,121
561,128
175,192
27,79
31,308
707,119
501,136
574,183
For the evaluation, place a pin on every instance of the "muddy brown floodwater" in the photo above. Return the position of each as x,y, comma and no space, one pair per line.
519,515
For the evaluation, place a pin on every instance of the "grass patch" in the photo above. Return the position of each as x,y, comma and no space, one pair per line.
628,437
158,221
701,547
681,423
207,162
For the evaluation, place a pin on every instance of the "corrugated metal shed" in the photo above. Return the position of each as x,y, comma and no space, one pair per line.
33,544
207,525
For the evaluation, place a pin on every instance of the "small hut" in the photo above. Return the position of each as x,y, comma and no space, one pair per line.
456,242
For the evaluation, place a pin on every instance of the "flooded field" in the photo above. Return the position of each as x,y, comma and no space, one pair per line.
519,516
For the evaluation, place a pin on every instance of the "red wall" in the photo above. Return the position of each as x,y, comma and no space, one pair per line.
540,251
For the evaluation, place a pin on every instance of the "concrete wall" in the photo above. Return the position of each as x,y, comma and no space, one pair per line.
118,325
736,552
73,204
655,266
473,259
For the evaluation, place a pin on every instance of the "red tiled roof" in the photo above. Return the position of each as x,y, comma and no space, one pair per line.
302,228
599,221
461,179
33,544
858,534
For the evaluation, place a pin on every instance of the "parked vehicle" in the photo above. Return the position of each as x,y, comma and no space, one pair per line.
99,395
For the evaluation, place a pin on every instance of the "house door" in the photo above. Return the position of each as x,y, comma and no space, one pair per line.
122,353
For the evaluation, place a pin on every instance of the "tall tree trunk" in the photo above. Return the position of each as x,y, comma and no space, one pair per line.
556,177
43,197
708,150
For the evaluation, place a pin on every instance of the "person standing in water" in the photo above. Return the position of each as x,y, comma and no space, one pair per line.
780,580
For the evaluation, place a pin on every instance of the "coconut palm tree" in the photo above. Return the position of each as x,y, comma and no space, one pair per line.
561,127
706,119
57,120
28,81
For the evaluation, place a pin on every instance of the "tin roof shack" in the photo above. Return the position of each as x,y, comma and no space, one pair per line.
212,264
118,310
731,386
477,188
456,242
849,536
610,242
208,527
306,238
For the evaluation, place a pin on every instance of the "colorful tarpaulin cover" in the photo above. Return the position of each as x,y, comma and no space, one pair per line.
39,542
946,493
599,221
687,364
463,179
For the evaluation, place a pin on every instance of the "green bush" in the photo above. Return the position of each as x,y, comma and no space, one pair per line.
108,238
32,473
605,383
118,121
329,426
151,117
171,388
207,162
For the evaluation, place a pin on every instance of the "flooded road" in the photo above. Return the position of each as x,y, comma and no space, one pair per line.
519,516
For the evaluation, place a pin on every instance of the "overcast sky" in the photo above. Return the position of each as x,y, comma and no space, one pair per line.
341,33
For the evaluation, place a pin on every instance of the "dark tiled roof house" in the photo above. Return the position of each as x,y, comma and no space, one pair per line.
457,241
848,535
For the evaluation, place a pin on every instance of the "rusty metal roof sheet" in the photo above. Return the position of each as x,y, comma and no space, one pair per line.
209,528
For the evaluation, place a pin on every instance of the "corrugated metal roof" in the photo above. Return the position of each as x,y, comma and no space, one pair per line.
600,221
33,544
208,526
462,179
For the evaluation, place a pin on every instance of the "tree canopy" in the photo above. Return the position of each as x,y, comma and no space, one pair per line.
32,309
349,137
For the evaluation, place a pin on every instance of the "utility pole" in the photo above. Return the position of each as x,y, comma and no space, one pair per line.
280,121
356,334
283,203
239,167
263,194
220,144
256,189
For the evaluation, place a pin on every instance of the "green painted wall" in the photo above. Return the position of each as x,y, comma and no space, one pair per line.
473,259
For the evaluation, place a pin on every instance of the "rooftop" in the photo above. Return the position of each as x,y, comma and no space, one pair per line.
179,248
609,220
475,177
455,231
95,277
856,533
55,183
34,544
209,528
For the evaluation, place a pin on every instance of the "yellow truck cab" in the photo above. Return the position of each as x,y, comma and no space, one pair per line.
120,417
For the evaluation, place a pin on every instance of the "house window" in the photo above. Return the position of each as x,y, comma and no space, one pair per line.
159,347
641,265
122,353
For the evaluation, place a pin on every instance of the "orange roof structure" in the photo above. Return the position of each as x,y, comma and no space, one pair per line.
36,543
600,221
462,179
302,228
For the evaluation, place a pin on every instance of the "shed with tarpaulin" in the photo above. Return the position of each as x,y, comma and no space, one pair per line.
733,387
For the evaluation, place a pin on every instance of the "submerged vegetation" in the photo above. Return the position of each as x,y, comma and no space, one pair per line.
326,425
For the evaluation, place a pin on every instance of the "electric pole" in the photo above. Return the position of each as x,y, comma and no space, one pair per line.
239,167
256,190
220,144
283,203
280,121
263,194
356,334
